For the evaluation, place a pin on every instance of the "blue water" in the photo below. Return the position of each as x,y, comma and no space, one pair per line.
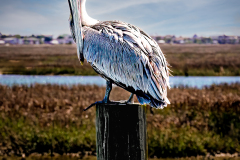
176,81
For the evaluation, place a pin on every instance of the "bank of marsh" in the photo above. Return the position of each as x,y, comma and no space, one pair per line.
192,60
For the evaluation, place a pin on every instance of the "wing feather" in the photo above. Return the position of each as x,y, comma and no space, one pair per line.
128,56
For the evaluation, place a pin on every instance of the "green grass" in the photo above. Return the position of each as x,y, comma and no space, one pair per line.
220,135
44,118
25,136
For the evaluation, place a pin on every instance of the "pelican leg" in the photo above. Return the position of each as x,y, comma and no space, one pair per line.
131,99
106,97
108,90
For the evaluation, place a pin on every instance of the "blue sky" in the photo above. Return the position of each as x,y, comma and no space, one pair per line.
155,17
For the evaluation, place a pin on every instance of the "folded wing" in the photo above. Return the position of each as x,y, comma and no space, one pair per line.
130,58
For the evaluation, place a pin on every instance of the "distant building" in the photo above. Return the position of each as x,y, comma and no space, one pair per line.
195,36
65,39
169,38
154,37
54,41
188,40
179,40
31,40
196,39
206,40
157,38
232,40
11,40
20,41
47,38
2,42
161,41
215,42
222,39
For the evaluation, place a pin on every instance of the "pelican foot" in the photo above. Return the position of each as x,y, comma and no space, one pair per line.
127,102
101,102
130,100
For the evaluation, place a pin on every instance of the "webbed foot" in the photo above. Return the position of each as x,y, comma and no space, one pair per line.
101,102
130,100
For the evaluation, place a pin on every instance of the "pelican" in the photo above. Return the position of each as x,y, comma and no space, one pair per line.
122,54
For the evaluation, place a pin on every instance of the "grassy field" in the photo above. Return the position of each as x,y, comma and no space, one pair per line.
44,118
192,60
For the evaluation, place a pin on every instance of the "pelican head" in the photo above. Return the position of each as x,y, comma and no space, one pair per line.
76,26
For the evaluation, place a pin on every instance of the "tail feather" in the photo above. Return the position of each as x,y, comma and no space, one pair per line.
142,100
153,102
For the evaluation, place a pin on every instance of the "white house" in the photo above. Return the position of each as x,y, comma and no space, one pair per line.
54,41
2,42
65,39
161,41
11,40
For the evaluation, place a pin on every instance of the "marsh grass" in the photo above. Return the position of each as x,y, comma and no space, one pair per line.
189,60
49,118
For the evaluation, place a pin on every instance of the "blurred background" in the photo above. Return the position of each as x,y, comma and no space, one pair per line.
43,87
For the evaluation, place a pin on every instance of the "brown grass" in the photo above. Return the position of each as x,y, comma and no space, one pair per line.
42,59
201,60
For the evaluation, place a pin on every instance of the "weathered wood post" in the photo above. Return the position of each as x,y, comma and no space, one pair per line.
121,132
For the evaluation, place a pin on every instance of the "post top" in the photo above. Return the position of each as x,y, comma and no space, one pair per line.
119,104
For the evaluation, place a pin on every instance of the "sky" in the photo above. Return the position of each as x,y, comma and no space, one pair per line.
155,17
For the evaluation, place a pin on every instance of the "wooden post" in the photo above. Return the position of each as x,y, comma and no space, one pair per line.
121,132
